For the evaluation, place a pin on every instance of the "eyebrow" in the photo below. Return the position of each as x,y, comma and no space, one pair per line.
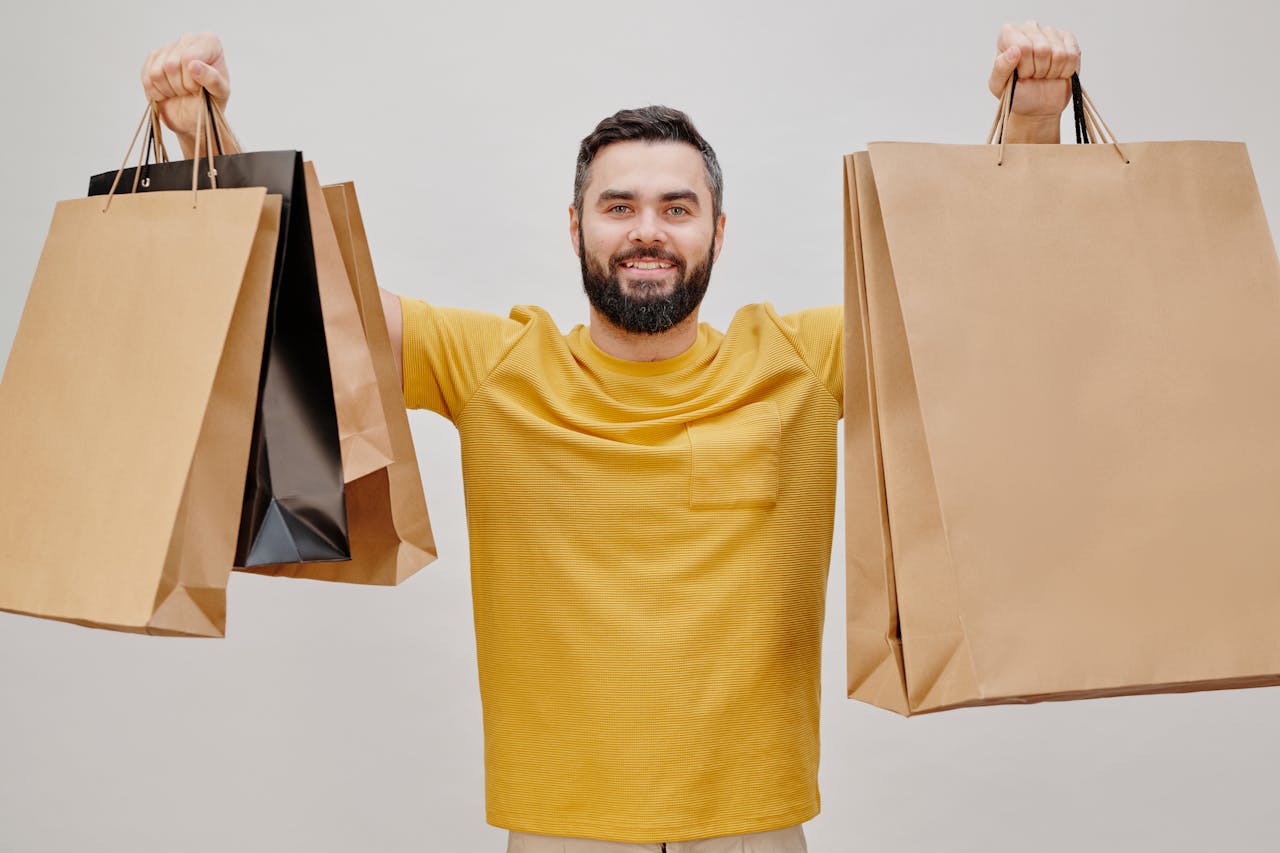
685,195
681,195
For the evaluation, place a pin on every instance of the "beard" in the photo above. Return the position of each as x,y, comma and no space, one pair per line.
644,308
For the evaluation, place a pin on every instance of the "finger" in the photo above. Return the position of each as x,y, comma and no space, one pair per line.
172,66
1059,61
147,88
159,80
1041,52
157,83
1005,39
1016,37
1002,70
204,64
206,47
1073,49
208,77
183,51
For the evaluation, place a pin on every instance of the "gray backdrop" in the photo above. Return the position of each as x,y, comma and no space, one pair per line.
335,718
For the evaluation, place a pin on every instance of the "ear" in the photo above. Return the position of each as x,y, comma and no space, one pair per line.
718,239
573,231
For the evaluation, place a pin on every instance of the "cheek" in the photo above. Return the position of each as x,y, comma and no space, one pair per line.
695,248
602,244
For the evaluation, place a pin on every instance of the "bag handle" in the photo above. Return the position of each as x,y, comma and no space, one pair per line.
195,166
152,115
155,139
218,122
1089,124
155,142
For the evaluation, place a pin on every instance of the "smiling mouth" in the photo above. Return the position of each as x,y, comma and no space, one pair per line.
647,265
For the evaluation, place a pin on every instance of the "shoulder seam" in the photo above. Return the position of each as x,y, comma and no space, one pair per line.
498,363
775,318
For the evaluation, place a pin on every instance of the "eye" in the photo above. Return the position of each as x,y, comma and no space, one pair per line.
677,211
619,209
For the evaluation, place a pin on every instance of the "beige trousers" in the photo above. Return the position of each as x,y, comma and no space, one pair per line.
789,840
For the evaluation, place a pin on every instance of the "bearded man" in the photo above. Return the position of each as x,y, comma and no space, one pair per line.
650,501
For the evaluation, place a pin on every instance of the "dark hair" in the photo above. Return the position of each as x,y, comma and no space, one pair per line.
647,124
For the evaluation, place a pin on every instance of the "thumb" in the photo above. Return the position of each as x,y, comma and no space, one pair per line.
1002,70
208,77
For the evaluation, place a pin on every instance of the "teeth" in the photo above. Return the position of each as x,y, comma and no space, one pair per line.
648,265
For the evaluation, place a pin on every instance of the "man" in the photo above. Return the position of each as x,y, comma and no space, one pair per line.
650,501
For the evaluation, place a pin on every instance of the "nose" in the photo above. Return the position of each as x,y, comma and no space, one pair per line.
648,229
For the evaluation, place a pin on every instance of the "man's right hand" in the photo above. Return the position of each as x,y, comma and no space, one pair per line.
174,77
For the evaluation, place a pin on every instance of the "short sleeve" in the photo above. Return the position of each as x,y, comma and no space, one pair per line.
818,336
449,352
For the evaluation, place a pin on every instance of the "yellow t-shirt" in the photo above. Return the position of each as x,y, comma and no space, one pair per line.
649,554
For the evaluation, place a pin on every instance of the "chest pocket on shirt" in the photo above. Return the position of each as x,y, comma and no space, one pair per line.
736,458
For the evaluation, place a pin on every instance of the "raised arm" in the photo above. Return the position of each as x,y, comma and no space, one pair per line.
175,76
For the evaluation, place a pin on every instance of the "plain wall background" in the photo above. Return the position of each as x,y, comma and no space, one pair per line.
336,718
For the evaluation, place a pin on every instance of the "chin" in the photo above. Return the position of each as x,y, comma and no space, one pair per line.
646,287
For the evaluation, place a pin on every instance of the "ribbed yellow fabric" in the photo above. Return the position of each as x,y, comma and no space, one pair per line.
649,554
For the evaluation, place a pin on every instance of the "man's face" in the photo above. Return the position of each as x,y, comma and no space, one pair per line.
647,235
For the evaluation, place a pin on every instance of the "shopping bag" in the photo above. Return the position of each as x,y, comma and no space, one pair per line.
293,506
127,397
362,425
386,509
1062,411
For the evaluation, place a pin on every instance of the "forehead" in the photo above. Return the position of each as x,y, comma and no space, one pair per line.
648,167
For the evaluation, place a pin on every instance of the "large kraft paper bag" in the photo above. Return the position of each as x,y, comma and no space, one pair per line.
1062,423
127,407
362,425
386,509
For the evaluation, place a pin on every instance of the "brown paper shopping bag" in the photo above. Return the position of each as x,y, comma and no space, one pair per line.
386,509
362,425
127,406
1062,422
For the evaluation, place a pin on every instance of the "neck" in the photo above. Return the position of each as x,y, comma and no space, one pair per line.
620,343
